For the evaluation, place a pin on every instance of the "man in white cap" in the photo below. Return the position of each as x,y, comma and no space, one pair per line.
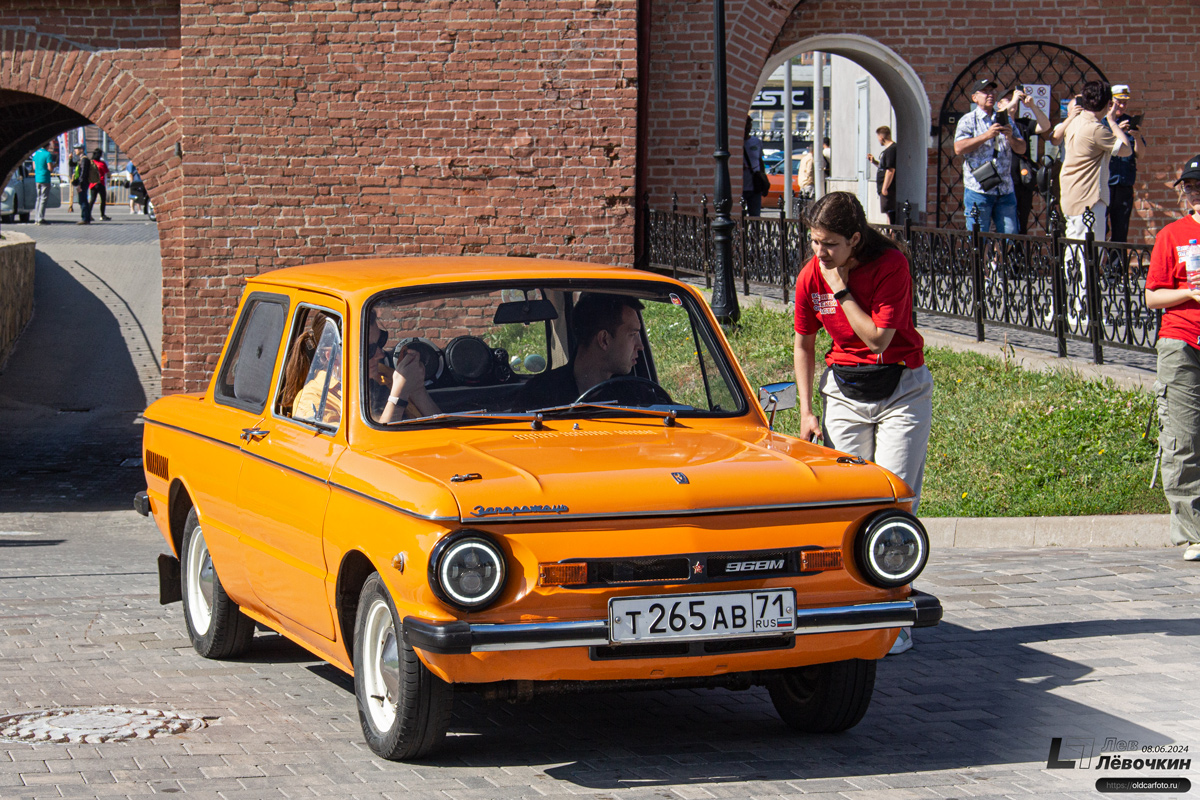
1171,288
1122,170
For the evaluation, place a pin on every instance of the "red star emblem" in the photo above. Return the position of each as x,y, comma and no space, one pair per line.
698,568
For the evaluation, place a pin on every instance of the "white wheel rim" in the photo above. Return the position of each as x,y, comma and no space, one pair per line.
200,580
381,666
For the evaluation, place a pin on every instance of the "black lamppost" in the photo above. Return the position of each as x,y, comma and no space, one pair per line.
724,297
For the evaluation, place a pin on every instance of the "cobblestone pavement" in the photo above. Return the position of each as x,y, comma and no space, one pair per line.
1035,644
86,366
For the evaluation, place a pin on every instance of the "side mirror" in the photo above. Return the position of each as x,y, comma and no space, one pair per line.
777,397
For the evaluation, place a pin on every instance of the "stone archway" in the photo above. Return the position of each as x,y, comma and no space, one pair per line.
904,88
50,84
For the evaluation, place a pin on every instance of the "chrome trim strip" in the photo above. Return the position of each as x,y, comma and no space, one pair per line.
388,505
589,633
684,512
329,483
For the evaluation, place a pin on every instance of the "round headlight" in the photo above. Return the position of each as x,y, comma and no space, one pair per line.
892,549
467,571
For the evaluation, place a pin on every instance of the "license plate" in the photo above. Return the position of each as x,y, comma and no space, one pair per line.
702,616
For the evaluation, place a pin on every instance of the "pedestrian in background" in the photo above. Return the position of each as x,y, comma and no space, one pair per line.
43,162
1173,288
100,188
885,172
1088,145
137,190
72,165
1024,170
82,177
1122,170
751,164
985,137
877,391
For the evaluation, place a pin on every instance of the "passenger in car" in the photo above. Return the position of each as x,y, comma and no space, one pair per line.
321,397
608,333
295,372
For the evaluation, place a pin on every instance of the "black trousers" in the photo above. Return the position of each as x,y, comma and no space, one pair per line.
1120,209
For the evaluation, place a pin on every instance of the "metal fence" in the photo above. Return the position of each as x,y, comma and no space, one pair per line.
1071,289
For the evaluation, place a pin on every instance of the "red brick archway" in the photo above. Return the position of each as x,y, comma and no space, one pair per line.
75,82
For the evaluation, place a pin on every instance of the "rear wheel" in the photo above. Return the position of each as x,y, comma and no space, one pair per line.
23,216
824,698
404,708
216,625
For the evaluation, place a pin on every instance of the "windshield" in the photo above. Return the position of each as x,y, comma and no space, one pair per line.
522,348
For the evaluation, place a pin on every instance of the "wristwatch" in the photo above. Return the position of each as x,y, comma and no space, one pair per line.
839,295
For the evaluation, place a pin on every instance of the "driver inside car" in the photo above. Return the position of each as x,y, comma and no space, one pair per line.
608,333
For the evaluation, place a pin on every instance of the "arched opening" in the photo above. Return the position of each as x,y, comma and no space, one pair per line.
1058,73
89,360
905,92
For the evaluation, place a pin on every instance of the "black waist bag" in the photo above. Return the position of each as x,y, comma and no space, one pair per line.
868,383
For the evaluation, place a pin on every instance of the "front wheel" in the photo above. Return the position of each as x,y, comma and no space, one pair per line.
824,698
216,625
404,708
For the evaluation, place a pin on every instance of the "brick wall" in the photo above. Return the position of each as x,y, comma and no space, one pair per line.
319,130
937,40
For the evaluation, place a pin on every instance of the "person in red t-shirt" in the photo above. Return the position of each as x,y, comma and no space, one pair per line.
100,190
1178,384
877,391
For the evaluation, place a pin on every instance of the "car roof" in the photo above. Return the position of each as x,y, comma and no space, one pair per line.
361,278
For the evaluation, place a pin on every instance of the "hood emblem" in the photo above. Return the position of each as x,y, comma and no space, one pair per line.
680,478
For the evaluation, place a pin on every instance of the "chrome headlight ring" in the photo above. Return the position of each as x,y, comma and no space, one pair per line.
892,548
467,570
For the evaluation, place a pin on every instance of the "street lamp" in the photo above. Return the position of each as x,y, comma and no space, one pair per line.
724,298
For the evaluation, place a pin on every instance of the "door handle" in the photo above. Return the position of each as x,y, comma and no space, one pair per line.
253,434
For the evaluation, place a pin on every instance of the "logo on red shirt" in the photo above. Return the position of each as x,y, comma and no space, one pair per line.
824,303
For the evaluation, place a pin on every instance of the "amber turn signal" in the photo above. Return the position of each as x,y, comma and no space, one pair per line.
561,574
818,560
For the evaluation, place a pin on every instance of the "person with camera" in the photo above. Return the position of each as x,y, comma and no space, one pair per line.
83,177
1122,170
1088,144
1024,170
988,141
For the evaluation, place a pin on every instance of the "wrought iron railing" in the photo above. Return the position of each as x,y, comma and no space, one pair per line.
1070,289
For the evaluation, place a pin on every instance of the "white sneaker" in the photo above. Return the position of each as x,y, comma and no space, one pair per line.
1192,553
903,643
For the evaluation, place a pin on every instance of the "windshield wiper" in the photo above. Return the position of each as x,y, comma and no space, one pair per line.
607,405
481,414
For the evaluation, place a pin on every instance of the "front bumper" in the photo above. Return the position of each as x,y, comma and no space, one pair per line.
919,610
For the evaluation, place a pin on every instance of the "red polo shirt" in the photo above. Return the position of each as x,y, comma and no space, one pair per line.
883,288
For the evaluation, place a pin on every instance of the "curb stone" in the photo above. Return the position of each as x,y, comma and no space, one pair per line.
1100,530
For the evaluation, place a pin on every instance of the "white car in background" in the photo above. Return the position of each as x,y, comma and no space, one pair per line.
20,194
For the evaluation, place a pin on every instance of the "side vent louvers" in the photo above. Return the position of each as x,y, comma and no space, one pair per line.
157,465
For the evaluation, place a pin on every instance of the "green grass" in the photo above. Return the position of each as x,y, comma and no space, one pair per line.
1006,441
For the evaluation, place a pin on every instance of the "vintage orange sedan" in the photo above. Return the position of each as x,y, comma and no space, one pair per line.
520,476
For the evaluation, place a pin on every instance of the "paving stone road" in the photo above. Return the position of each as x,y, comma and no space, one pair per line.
1036,643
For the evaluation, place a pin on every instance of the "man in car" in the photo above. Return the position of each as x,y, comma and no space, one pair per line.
608,333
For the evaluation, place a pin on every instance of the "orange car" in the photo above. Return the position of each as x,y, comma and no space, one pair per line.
518,476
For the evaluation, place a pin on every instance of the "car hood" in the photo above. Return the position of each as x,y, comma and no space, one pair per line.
638,472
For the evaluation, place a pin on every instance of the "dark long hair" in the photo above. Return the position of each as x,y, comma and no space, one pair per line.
841,213
295,372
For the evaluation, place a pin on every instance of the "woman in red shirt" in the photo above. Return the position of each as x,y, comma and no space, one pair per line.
877,391
1169,287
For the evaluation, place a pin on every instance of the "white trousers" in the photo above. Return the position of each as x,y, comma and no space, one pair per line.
893,432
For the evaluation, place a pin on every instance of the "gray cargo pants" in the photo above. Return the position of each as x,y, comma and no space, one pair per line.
1178,396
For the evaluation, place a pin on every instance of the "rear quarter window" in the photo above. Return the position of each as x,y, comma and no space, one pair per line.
244,379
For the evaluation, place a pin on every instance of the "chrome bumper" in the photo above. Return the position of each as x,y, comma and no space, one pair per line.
920,610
